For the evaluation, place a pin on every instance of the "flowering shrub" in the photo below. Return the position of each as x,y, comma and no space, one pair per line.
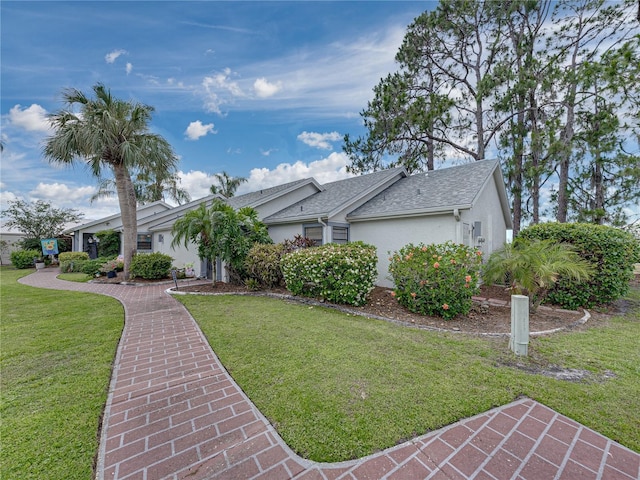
338,273
112,265
437,279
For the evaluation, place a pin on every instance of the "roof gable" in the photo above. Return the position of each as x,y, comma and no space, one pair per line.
337,196
116,216
254,199
434,191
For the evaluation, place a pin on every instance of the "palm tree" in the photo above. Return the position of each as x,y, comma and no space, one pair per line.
149,187
196,226
534,266
221,232
227,185
113,134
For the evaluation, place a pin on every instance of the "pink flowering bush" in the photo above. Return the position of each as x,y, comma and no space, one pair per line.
436,279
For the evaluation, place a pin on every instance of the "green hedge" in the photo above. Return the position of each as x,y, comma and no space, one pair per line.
151,266
24,258
610,250
338,273
70,256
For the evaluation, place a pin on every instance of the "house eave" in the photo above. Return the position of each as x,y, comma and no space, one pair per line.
448,210
290,220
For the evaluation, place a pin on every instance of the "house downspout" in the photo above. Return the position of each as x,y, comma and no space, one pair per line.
458,227
324,230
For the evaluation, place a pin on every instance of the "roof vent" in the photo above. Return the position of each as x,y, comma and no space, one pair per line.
418,191
301,207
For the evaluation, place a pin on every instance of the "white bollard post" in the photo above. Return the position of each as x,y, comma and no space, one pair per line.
519,339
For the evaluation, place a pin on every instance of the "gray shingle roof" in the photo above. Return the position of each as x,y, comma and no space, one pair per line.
436,190
334,196
257,198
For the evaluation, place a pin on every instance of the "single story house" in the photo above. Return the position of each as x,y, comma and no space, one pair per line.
465,204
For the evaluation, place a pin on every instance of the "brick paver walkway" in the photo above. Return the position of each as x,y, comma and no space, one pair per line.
173,412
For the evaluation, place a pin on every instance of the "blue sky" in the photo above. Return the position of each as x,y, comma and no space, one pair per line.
265,90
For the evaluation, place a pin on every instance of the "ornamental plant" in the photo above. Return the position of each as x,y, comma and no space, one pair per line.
533,267
151,266
24,258
338,273
611,251
436,279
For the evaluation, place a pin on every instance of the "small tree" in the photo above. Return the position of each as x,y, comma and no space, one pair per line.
39,219
221,232
533,267
109,245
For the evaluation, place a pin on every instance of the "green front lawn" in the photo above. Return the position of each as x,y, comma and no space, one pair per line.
339,387
55,358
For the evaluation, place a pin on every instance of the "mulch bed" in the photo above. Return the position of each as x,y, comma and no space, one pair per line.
482,319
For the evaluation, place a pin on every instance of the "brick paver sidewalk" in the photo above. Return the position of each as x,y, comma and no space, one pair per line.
174,412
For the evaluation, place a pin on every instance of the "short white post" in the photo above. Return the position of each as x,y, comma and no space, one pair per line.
519,339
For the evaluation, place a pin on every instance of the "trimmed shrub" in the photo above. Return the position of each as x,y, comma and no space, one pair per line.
338,273
151,266
436,279
611,251
72,261
24,258
90,267
109,245
70,256
262,265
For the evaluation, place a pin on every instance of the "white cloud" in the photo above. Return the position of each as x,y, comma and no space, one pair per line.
129,67
266,153
62,193
32,119
216,84
196,129
329,169
113,56
196,182
222,81
319,140
264,89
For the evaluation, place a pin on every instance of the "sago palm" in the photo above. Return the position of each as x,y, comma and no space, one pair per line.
532,267
107,133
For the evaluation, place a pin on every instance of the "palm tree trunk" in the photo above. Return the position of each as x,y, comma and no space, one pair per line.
127,201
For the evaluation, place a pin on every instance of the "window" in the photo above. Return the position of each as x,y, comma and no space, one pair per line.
144,241
340,234
314,233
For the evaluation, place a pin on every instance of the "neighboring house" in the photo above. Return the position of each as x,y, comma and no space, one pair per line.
83,234
465,204
12,240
